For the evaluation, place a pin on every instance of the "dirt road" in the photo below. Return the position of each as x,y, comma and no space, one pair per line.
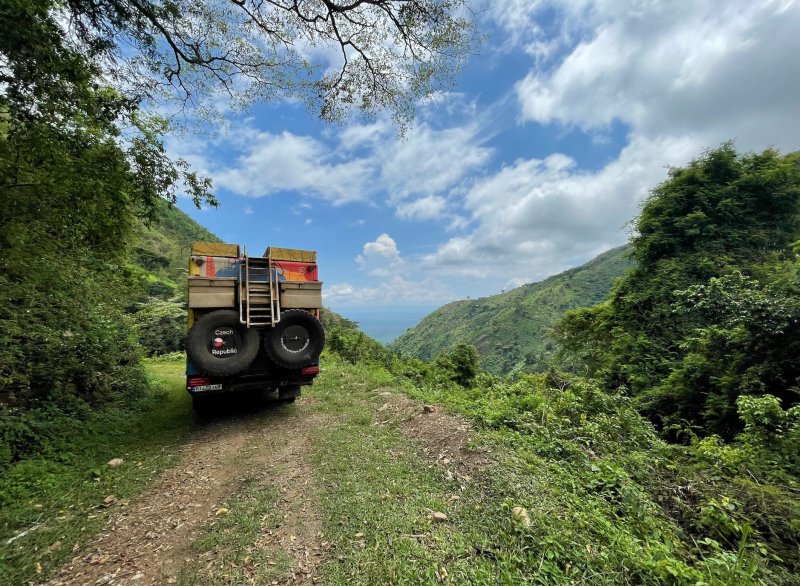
339,488
149,540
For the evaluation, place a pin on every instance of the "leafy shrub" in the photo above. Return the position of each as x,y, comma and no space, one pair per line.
160,325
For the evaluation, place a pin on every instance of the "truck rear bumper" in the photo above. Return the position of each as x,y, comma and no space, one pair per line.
212,385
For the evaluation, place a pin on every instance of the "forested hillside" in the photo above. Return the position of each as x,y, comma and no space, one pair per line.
512,331
604,479
662,447
159,256
161,249
709,319
591,489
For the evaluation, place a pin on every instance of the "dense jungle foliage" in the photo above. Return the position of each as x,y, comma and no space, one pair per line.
158,259
512,331
81,168
702,336
711,312
677,457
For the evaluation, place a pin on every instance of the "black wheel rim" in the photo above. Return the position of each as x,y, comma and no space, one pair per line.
224,342
295,339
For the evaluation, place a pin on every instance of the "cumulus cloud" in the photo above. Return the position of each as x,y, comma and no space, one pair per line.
380,258
416,175
716,70
537,217
425,208
272,163
680,77
430,162
677,77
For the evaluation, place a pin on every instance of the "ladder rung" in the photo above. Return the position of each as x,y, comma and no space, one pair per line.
258,303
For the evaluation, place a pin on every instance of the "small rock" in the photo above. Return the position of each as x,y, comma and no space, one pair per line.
428,408
115,463
520,515
455,497
137,576
38,507
438,517
445,461
221,512
110,499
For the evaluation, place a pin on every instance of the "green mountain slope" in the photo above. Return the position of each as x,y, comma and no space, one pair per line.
160,251
511,330
159,257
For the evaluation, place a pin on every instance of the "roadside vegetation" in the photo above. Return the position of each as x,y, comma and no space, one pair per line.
660,447
607,499
60,490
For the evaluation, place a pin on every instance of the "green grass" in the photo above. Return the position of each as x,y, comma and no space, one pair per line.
58,496
600,489
378,495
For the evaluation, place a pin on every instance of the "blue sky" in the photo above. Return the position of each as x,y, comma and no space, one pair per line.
531,164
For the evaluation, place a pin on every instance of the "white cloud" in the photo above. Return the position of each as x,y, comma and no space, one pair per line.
396,289
425,208
431,162
272,163
416,175
380,258
514,283
716,70
682,77
537,217
677,77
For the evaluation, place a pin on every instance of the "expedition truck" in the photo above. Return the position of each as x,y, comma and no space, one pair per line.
253,322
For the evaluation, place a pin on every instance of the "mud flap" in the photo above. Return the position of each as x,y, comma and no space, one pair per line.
287,393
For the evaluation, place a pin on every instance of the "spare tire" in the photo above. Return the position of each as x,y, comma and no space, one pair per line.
296,340
219,344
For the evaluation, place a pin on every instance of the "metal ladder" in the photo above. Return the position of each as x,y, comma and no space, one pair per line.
259,298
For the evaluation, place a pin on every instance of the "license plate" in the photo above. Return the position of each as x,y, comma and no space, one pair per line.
207,388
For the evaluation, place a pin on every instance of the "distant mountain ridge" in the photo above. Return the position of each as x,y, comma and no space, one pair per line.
511,331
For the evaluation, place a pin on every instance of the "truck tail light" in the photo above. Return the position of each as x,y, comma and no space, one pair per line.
197,381
310,370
